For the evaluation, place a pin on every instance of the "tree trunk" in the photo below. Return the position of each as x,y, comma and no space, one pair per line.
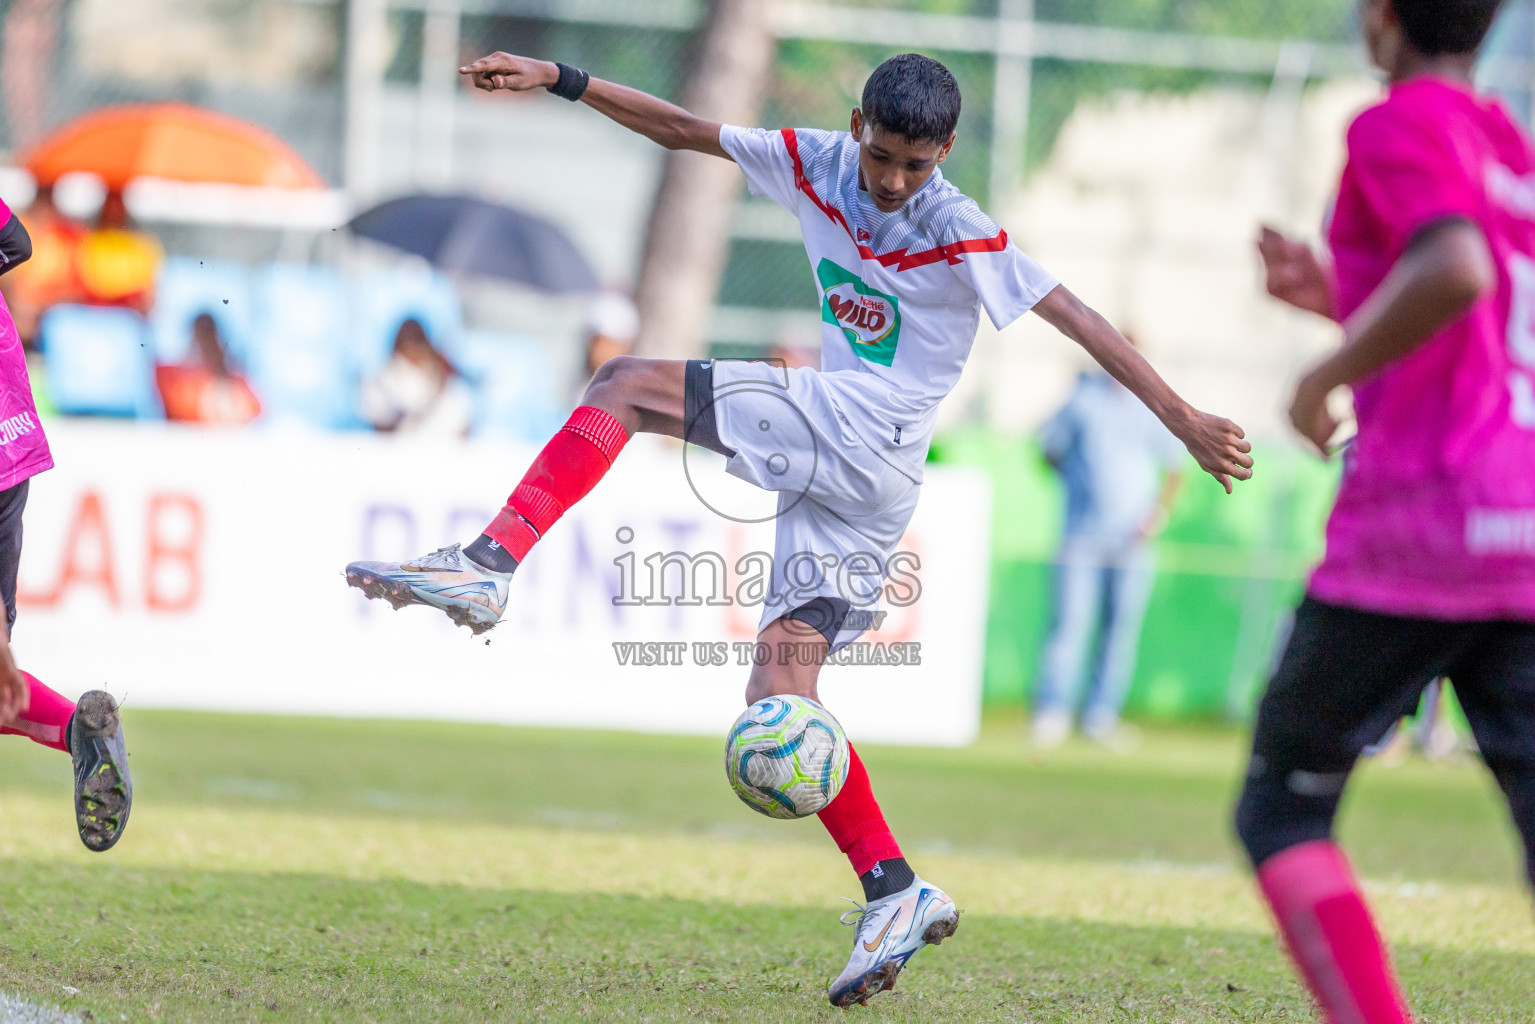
31,37
688,237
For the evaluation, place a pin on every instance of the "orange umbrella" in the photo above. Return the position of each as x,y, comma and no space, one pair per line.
169,140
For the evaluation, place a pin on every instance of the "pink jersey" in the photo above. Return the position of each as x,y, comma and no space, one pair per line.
23,448
1435,516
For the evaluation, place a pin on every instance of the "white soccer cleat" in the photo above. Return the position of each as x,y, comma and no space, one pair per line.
472,595
889,933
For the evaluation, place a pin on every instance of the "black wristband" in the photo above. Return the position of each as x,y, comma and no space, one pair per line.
572,82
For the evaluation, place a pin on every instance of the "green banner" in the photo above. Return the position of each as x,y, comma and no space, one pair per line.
1229,571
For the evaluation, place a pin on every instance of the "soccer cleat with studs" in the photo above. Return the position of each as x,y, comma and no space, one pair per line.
103,787
888,933
446,579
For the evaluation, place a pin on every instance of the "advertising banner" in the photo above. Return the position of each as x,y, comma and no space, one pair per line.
200,569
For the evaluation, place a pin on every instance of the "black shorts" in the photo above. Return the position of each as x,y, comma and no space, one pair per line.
1347,675
12,503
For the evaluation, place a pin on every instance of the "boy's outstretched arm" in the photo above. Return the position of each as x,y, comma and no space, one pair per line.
1437,281
1217,444
661,122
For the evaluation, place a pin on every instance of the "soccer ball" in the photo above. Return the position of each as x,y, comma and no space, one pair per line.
786,757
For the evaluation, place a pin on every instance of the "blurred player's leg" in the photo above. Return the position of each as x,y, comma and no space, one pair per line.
1435,733
89,731
1329,931
470,583
1495,683
1379,664
92,735
46,719
1516,777
1127,589
1078,598
1346,675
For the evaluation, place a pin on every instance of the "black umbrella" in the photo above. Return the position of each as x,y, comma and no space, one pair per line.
468,235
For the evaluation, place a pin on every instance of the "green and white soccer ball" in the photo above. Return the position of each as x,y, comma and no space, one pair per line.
786,757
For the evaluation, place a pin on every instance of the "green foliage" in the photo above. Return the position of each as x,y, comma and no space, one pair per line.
817,82
1298,19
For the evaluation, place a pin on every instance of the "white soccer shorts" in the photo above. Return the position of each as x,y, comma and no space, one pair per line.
842,509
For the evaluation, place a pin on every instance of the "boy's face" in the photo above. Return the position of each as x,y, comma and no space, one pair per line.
893,167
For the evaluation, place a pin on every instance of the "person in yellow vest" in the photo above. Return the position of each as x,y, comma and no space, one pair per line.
51,275
117,264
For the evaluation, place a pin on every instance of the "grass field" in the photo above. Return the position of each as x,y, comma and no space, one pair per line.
300,869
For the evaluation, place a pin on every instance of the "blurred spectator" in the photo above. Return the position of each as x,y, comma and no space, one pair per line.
205,389
1432,731
1121,472
612,324
51,275
118,263
418,391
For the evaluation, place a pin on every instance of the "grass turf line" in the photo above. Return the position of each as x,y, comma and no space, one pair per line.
711,869
290,869
1169,801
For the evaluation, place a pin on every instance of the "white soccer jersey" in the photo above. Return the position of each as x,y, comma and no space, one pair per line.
901,293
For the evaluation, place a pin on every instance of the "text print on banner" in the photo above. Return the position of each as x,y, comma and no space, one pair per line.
199,569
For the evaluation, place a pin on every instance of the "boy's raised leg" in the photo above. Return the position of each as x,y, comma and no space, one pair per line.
470,584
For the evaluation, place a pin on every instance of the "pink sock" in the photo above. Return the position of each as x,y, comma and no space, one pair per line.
1331,935
46,718
856,822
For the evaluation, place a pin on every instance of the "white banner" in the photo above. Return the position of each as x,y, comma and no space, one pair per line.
187,568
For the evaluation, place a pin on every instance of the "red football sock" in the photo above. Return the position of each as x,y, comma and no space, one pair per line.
564,472
855,822
1331,935
46,719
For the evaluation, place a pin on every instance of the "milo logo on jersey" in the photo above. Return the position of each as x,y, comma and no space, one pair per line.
870,320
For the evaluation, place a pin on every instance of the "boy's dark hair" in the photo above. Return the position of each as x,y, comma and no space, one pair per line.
914,96
1436,27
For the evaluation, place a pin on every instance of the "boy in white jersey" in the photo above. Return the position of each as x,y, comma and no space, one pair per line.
904,262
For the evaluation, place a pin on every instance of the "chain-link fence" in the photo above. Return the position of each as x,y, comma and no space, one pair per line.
1024,67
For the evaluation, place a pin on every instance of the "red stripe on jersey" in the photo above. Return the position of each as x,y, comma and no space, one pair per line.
900,259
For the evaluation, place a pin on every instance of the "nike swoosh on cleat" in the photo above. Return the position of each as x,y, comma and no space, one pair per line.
872,946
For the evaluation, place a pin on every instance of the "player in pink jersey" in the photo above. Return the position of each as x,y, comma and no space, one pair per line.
1430,563
88,731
